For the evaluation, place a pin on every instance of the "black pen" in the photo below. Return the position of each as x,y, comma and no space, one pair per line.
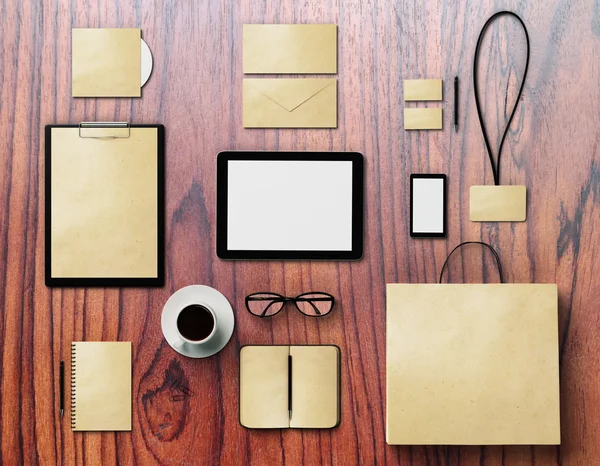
290,386
456,103
62,388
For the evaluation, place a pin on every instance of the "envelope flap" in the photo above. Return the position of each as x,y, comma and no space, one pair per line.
290,93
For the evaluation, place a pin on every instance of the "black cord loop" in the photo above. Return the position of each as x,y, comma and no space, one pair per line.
496,166
496,256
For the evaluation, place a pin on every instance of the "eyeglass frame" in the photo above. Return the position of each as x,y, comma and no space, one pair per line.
284,299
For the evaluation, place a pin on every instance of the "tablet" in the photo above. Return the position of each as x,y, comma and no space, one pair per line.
290,205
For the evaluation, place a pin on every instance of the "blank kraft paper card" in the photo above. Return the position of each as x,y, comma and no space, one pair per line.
422,118
290,48
106,62
422,89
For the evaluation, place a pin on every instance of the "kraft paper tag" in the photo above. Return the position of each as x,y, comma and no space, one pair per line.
422,89
498,203
422,118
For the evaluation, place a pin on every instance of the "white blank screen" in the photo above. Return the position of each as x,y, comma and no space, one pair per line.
428,205
280,205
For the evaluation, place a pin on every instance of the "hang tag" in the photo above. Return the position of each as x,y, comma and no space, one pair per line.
498,203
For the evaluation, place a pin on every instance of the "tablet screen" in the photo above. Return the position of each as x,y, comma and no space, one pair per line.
289,205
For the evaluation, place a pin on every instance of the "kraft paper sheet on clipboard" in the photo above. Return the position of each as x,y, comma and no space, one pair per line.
104,204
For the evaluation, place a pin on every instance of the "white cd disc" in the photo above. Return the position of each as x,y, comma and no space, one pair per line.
146,63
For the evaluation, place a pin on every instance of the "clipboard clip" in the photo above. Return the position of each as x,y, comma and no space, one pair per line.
104,130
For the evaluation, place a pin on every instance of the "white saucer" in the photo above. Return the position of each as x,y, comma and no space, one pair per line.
198,294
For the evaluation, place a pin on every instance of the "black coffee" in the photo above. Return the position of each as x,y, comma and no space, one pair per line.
195,322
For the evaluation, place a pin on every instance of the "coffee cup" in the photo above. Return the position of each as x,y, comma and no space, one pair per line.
197,321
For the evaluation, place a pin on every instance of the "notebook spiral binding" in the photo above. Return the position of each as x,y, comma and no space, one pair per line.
73,403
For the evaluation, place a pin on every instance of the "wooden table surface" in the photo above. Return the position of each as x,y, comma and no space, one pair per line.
196,92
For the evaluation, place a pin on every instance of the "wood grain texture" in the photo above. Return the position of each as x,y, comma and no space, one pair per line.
196,92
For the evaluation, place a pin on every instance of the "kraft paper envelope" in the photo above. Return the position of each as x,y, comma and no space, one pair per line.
106,62
472,364
103,204
290,103
422,89
422,118
498,203
290,48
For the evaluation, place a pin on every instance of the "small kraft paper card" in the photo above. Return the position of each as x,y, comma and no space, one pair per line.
422,89
422,118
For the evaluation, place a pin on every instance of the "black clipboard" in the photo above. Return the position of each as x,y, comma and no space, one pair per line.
120,146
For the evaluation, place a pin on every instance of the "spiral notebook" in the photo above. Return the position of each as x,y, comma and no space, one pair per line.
100,386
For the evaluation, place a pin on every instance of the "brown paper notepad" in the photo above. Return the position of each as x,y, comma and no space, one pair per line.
104,205
472,364
100,386
289,386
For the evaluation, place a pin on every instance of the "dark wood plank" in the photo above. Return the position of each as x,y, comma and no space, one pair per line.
195,91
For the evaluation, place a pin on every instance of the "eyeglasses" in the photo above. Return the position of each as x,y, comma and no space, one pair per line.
312,304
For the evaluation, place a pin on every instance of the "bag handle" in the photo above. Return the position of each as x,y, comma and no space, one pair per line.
496,256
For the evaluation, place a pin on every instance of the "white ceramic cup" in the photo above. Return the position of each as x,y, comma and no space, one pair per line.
181,326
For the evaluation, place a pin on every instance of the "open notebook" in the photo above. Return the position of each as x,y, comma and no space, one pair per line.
290,386
101,386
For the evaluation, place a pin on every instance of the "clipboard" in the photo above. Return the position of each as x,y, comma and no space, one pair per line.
104,205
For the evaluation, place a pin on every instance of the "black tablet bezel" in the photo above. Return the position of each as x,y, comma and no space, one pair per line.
119,282
445,214
357,206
